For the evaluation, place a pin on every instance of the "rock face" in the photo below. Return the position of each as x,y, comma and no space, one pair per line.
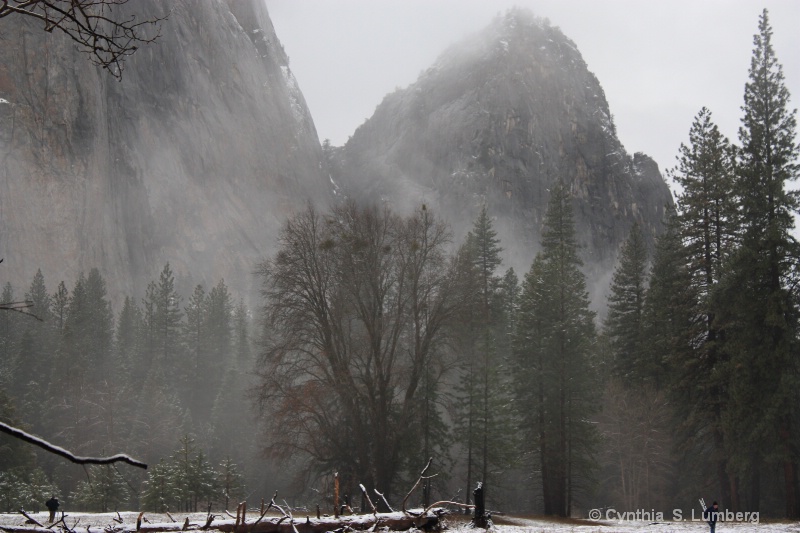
499,119
195,157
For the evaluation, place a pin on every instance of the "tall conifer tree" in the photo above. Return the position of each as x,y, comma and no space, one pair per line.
708,223
485,409
760,310
555,339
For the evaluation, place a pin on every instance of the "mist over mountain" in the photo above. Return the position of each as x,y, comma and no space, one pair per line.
500,118
196,157
206,145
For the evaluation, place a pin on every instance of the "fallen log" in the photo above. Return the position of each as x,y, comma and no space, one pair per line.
430,519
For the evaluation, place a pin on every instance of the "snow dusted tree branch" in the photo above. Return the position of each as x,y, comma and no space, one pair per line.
52,448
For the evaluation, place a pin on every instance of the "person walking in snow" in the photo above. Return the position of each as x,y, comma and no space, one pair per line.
52,506
711,516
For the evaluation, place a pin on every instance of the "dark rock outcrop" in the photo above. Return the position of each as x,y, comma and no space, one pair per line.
499,119
195,157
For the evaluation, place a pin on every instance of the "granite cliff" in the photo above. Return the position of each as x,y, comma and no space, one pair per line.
206,145
195,157
499,118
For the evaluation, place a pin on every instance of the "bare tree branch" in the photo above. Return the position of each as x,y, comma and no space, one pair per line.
384,500
30,518
366,496
19,307
52,448
108,38
422,476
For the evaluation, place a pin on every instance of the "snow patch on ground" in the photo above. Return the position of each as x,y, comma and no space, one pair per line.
631,526
510,525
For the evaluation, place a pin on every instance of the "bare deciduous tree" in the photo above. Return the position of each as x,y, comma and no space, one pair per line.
96,25
356,304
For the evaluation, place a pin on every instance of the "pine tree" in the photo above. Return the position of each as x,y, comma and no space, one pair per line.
196,339
162,315
531,374
219,355
241,337
60,306
708,215
228,412
194,477
230,481
624,323
159,491
509,293
129,343
129,371
105,490
708,224
484,405
762,421
554,343
84,414
99,323
35,352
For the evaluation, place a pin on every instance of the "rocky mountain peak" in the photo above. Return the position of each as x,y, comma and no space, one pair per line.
498,119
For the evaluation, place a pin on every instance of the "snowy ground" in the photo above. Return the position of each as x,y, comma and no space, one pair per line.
505,525
630,526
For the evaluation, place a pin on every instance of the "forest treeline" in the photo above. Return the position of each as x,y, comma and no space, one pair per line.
164,380
383,343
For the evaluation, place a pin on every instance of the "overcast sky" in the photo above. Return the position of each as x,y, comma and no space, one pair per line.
659,61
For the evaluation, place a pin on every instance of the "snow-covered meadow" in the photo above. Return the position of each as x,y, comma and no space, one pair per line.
79,521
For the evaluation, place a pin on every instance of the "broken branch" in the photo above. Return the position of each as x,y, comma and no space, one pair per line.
58,450
364,492
33,520
421,477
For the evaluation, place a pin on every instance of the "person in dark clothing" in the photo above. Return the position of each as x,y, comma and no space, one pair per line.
52,506
711,516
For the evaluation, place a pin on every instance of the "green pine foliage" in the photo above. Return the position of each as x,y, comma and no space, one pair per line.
230,482
95,383
721,310
22,488
708,224
761,310
554,343
193,476
484,425
708,215
159,491
624,324
105,490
